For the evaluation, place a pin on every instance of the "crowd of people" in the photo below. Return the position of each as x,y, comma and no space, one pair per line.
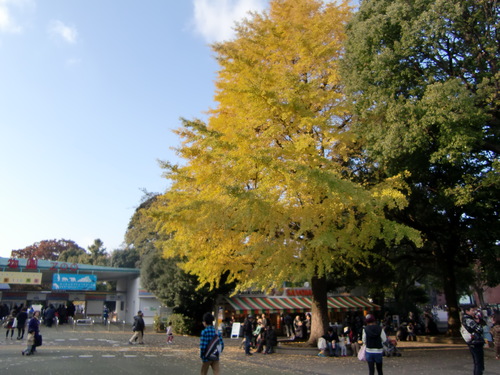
259,334
24,320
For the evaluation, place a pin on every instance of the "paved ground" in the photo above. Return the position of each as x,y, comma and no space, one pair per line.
98,351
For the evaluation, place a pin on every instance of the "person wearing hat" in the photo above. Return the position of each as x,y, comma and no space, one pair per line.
373,337
138,329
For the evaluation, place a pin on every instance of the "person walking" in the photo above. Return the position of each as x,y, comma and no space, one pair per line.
210,359
105,315
170,333
373,337
33,334
471,322
138,329
22,317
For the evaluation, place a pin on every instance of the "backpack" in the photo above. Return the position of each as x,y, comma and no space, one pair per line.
213,349
467,336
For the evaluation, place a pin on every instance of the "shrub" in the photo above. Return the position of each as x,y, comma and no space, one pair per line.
181,325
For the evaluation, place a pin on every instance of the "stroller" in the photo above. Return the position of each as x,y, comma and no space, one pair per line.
390,349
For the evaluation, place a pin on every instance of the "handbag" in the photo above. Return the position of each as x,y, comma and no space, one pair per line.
362,353
466,335
38,340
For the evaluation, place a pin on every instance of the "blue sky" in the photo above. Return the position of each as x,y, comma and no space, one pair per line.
89,94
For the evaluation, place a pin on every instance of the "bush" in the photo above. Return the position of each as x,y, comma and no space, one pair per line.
158,325
181,325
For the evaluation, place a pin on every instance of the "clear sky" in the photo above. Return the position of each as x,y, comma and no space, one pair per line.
89,94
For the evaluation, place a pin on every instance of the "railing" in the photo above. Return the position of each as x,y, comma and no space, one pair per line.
94,322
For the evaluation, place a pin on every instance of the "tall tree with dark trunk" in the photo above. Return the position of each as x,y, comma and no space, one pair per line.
425,80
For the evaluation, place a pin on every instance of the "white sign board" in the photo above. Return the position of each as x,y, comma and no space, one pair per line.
235,331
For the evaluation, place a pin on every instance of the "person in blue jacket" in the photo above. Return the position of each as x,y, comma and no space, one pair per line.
206,337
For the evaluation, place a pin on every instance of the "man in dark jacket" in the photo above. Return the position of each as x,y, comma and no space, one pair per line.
271,340
22,317
248,333
138,328
332,340
49,315
470,321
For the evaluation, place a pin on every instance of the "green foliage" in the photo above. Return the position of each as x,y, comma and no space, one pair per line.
181,324
74,255
141,234
158,325
125,258
424,82
98,255
176,288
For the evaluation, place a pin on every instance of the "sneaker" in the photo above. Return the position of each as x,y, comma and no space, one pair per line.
321,355
130,342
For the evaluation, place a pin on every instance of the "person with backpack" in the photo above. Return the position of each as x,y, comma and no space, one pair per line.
470,322
211,346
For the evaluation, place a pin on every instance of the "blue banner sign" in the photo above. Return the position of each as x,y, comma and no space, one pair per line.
71,281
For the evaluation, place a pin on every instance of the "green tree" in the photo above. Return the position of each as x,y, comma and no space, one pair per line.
424,78
98,255
267,193
141,233
74,255
125,258
176,288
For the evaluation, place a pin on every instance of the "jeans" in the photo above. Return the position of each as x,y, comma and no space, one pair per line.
372,359
248,341
477,352
331,350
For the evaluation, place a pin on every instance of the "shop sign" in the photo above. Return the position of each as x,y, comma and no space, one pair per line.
30,278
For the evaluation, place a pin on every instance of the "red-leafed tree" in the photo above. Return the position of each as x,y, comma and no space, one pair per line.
47,249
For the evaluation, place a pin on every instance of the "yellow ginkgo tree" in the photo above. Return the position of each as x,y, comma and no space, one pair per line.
267,192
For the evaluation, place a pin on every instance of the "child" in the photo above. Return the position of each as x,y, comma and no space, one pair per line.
342,345
170,334
322,347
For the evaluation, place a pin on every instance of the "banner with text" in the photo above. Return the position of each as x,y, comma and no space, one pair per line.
31,278
71,281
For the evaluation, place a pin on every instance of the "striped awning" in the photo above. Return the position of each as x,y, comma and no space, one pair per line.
247,305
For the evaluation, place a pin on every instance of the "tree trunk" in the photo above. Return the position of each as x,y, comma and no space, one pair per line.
450,291
319,309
